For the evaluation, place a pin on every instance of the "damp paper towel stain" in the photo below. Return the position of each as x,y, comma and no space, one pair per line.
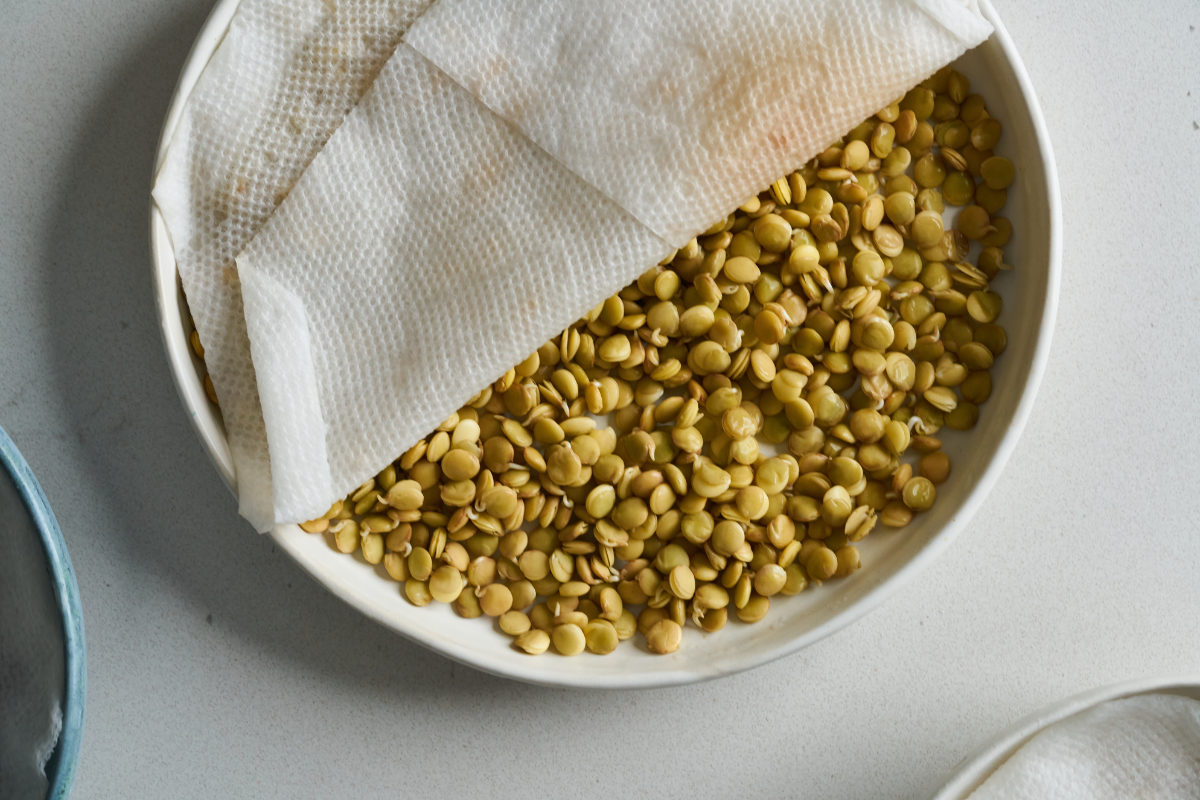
513,164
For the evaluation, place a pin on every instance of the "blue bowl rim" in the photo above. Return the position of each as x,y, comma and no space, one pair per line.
60,770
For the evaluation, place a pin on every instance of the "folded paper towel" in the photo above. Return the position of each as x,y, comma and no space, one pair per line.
1142,746
679,111
515,163
429,248
282,80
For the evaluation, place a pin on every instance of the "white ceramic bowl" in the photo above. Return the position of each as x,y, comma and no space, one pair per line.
889,557
973,770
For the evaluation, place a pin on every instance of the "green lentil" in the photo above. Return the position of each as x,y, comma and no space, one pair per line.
832,315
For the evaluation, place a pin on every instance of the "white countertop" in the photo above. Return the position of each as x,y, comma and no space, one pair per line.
216,668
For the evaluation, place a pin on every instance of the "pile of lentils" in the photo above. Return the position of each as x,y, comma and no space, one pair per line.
727,428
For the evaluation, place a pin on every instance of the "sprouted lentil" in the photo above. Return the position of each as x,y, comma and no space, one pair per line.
835,317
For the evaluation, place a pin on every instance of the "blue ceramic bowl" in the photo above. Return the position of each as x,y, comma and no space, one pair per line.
27,514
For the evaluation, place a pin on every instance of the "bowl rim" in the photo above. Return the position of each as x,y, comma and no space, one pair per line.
977,766
187,385
65,756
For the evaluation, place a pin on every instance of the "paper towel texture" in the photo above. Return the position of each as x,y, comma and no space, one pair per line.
1141,746
679,111
472,207
427,249
282,80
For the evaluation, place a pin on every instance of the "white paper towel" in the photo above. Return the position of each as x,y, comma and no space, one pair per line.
433,244
283,78
427,249
680,110
1146,746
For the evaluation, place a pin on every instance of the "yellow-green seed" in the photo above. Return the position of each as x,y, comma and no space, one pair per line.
405,495
984,306
533,642
445,583
514,623
600,636
926,229
821,563
420,564
682,582
460,465
769,580
754,609
664,636
919,493
496,599
417,592
569,639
